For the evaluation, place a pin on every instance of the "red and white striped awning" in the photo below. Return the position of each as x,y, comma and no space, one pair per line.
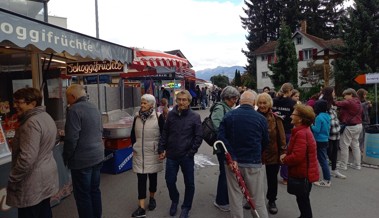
144,57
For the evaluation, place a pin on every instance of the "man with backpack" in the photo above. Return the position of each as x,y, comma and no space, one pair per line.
229,96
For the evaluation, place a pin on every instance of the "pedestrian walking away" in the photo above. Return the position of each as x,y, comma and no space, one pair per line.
245,134
229,96
321,131
283,105
351,116
83,151
239,177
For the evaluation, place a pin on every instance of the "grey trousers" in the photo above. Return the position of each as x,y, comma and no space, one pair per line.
254,179
350,137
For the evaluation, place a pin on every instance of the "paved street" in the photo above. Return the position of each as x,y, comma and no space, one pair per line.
357,196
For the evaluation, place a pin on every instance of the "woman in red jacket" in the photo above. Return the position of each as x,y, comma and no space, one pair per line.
301,156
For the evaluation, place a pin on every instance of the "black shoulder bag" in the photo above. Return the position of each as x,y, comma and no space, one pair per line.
296,186
209,131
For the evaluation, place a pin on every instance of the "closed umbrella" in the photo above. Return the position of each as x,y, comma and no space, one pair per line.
239,178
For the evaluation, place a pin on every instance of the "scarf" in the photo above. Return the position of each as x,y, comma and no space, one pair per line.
145,114
25,116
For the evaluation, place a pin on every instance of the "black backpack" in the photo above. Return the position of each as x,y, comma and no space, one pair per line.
209,131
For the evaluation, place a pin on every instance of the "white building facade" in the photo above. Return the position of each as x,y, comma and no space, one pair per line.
307,46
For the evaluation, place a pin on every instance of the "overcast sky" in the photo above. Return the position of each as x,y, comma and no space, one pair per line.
208,32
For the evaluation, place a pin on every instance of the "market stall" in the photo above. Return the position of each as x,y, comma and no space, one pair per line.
172,71
37,54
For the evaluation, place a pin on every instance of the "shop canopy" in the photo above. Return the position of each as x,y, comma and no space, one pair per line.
150,58
32,34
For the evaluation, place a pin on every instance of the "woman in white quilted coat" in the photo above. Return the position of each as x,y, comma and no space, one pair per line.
145,137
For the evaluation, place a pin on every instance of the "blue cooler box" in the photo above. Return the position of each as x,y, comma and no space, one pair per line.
117,161
371,149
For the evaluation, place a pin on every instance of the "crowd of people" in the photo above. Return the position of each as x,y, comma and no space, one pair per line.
266,134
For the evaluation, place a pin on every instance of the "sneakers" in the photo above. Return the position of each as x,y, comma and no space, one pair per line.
323,183
337,174
152,204
224,208
173,208
247,206
341,166
355,166
140,212
184,213
272,207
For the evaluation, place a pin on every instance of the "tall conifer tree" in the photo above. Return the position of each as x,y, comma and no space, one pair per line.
285,69
360,32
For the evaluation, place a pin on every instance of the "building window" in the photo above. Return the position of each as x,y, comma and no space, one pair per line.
264,57
299,40
307,54
265,74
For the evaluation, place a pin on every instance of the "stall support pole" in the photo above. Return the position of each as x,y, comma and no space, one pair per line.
122,85
36,70
376,103
98,92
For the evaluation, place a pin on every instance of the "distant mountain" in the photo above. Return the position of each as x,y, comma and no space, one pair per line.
227,71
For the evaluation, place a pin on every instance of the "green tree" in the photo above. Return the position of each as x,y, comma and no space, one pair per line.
237,78
248,81
360,32
285,68
220,80
321,16
263,17
261,23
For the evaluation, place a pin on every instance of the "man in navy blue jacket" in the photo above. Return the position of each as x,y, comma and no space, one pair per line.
180,139
245,134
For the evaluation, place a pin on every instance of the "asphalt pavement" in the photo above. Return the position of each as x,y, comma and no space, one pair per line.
354,197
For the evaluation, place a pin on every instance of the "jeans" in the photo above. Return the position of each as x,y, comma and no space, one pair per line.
86,183
322,157
187,165
222,186
272,181
41,210
284,168
304,204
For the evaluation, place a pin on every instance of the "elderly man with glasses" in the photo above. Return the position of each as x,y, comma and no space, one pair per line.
180,139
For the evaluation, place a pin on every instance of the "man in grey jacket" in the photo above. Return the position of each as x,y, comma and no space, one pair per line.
84,151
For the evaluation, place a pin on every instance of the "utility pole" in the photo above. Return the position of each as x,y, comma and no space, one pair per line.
326,57
97,19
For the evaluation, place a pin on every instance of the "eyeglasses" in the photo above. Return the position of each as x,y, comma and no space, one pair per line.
181,99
